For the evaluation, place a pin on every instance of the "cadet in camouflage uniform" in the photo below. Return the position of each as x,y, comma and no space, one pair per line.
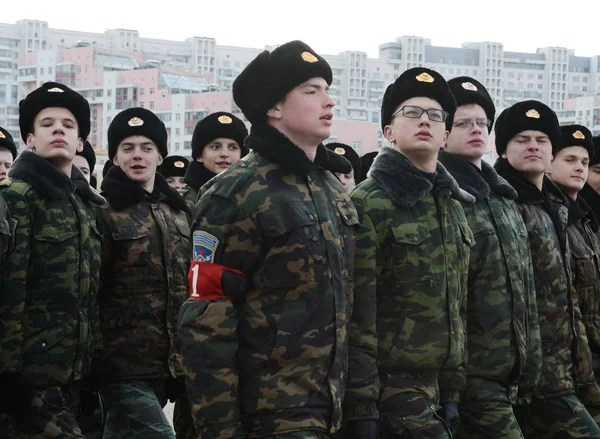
217,143
407,332
174,168
569,171
6,143
50,277
145,261
86,160
264,332
8,152
503,328
527,134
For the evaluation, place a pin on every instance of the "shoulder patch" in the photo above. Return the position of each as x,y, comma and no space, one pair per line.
12,227
205,246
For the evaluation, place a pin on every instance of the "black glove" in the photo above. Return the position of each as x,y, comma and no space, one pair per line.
449,414
362,429
522,415
16,393
88,401
174,387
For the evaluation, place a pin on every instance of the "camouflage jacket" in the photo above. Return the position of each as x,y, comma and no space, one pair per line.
545,214
503,327
145,261
585,265
50,277
4,230
592,198
412,258
264,335
196,176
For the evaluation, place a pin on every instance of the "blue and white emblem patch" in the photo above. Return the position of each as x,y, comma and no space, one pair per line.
205,246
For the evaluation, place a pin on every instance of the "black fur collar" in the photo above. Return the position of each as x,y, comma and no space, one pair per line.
592,199
197,175
579,210
121,192
50,182
405,184
527,191
276,147
478,183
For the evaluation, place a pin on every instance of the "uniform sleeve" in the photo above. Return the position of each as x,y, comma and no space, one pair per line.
533,365
225,248
362,391
13,289
4,230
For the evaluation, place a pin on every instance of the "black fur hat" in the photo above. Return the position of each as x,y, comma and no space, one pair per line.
53,94
272,75
576,135
216,125
137,121
173,166
6,141
468,90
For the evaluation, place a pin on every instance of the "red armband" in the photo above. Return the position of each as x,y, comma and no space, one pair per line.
205,280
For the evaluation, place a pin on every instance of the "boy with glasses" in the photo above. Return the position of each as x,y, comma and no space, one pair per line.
407,332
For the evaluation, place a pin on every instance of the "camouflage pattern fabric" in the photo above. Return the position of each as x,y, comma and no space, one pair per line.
134,411
560,417
486,411
190,196
264,343
412,257
196,176
414,416
182,418
50,276
545,214
503,329
50,415
145,259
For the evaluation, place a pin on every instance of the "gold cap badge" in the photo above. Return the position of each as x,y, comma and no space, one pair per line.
135,122
469,86
55,90
578,135
533,114
225,119
309,57
2,136
425,77
179,164
340,150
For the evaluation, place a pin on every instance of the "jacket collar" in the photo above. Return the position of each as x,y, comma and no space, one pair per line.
197,175
478,183
121,192
406,185
276,147
49,181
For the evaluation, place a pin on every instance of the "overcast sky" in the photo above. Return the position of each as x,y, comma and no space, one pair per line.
332,26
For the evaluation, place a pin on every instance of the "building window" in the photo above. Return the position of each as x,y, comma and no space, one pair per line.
177,117
151,105
141,92
109,106
176,146
142,104
109,92
357,145
151,90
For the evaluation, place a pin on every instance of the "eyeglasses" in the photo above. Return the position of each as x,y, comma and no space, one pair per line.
414,112
468,123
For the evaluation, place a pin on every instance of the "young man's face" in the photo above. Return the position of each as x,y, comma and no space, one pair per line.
83,166
138,157
220,154
469,135
594,177
347,180
6,160
305,114
175,182
55,135
529,152
570,168
420,134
